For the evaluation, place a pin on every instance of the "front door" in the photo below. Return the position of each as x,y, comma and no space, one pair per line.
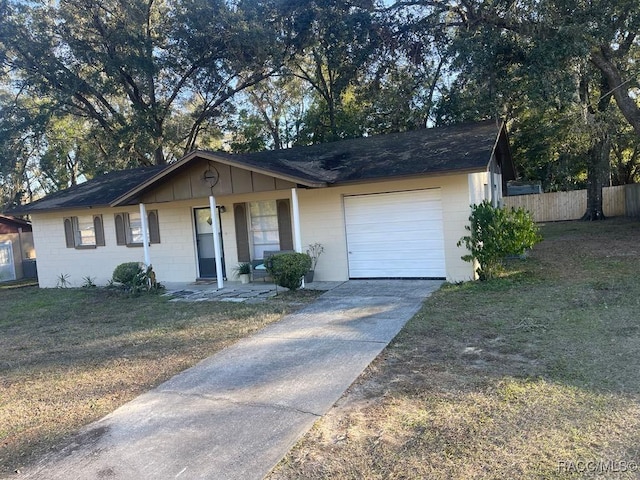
204,240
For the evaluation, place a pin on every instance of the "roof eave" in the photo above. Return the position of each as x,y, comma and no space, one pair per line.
438,173
36,211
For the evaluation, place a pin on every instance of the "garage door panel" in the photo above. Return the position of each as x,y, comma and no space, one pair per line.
399,257
395,234
376,244
393,230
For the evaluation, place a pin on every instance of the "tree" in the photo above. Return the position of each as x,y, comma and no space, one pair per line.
270,114
21,137
129,67
342,38
556,48
625,148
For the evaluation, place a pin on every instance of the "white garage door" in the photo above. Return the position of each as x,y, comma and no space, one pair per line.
395,235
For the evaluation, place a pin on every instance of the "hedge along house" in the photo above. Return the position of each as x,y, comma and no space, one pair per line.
387,206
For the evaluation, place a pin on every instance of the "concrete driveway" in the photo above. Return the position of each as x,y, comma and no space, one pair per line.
237,413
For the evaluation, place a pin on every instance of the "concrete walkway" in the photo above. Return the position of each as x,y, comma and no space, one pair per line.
237,413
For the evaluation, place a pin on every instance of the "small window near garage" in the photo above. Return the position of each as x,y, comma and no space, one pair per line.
84,231
129,228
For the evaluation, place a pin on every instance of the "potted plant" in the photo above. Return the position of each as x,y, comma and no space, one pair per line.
314,251
244,272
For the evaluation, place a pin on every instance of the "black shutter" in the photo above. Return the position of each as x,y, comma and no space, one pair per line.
99,230
284,224
242,234
121,233
68,232
154,226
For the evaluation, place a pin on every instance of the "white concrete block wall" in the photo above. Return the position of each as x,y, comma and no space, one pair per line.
175,258
323,221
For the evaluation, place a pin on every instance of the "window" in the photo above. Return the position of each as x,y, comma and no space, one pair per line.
263,227
129,228
84,231
135,229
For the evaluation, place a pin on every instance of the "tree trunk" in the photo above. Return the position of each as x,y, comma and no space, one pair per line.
596,178
158,156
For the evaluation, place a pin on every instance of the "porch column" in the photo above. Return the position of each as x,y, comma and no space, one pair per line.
216,240
297,237
144,224
297,240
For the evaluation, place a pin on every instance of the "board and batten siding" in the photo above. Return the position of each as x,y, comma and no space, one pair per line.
190,185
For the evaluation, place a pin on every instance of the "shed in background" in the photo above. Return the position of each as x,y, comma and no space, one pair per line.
17,253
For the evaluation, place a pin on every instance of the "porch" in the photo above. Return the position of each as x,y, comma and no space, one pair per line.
255,292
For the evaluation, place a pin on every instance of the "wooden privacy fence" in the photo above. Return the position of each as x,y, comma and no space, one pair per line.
555,206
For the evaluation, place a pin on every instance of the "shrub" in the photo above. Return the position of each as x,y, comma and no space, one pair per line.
135,277
243,268
287,269
128,274
495,234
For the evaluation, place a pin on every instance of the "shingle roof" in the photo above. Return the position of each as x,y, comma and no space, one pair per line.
419,152
464,147
98,191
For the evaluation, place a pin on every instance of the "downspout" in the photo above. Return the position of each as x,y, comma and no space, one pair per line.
144,224
216,241
297,241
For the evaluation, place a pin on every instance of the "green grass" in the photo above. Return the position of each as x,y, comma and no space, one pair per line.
70,356
531,376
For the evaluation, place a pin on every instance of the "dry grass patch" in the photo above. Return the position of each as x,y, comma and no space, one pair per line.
531,376
70,356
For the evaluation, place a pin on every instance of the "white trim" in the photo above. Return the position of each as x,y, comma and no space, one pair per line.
297,236
297,240
216,241
144,224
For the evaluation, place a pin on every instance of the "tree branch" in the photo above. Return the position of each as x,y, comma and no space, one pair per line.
628,107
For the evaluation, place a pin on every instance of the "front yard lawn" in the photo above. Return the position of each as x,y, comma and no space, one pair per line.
70,356
535,375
